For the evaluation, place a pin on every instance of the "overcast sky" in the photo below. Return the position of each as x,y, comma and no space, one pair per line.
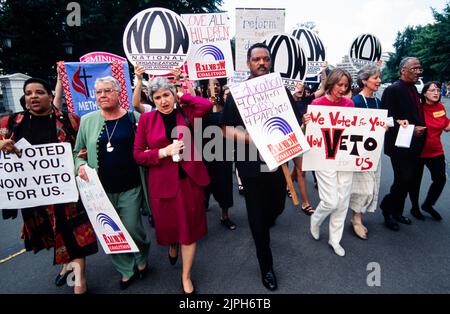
340,22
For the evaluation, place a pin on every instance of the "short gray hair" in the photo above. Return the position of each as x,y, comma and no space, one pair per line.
108,79
367,71
160,83
405,61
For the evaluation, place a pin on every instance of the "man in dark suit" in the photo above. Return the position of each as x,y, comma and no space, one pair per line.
402,101
265,192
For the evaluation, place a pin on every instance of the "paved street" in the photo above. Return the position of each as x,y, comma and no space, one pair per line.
414,260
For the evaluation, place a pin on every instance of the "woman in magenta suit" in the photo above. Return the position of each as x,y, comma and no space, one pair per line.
175,187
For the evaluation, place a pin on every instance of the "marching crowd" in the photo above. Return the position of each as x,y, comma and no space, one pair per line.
137,157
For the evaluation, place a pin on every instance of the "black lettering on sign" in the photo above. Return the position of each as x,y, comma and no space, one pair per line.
166,24
332,141
292,57
366,47
315,45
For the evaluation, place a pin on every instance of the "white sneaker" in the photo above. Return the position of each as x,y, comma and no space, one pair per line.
315,231
338,249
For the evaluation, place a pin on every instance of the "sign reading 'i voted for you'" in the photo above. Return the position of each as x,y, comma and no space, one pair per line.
344,139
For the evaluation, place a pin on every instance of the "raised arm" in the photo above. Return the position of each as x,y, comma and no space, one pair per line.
199,106
57,101
321,91
139,73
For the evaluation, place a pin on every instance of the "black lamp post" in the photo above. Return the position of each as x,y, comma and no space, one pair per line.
68,47
6,39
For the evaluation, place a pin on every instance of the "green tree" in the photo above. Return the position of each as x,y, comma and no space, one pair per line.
430,43
432,47
403,48
40,30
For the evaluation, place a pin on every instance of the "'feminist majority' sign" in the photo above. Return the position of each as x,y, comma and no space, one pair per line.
269,118
42,175
108,227
344,139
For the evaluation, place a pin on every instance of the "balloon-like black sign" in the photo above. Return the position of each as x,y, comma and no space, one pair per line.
288,58
366,49
156,39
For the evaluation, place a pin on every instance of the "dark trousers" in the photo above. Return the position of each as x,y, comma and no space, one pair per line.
265,197
405,181
221,186
436,166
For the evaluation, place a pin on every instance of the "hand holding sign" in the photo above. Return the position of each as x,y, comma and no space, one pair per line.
8,146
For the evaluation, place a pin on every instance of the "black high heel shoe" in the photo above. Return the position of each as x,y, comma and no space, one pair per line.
61,280
173,260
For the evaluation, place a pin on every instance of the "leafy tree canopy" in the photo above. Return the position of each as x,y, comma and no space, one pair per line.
430,43
39,29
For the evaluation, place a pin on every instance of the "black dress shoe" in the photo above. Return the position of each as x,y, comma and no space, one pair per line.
402,219
173,260
61,280
391,224
432,212
270,281
142,272
415,212
125,284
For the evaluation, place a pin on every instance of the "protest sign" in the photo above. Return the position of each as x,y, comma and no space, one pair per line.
269,118
344,139
315,52
156,39
288,58
365,49
78,80
253,26
42,175
108,227
100,56
210,55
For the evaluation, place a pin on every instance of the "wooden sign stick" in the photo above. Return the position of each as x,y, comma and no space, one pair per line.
290,184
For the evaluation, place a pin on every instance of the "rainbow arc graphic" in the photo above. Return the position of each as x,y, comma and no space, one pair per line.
104,220
277,124
211,50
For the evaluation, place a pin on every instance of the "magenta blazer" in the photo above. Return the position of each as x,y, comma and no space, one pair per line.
151,136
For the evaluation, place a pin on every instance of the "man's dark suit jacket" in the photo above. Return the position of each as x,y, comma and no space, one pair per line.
401,106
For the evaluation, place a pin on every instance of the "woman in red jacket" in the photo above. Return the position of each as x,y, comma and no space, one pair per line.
433,152
175,185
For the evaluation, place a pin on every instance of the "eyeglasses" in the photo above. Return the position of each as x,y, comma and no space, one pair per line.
107,91
416,70
434,91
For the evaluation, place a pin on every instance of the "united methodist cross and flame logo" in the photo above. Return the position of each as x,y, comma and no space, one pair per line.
78,85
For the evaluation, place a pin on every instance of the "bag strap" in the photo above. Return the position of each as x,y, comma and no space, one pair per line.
132,118
183,113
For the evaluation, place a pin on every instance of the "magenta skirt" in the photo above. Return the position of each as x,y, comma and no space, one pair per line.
181,219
